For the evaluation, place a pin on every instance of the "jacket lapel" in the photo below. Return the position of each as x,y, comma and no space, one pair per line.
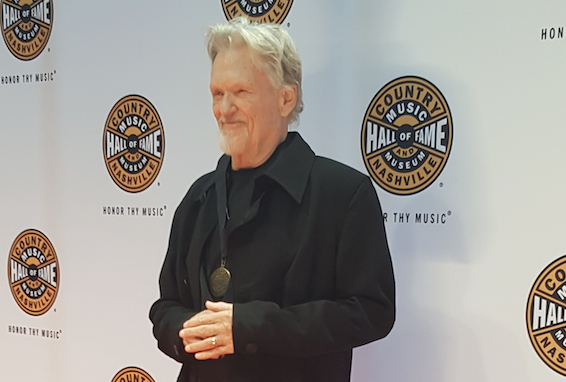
206,222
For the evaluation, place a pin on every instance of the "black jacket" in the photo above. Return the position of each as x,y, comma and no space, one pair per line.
311,272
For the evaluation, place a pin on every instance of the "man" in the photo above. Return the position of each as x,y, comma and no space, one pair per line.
278,263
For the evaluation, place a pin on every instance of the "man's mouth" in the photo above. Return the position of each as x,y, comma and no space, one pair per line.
230,124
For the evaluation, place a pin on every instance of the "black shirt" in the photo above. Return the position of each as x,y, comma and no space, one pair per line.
242,193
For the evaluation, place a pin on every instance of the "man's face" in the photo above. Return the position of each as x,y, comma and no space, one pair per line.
245,104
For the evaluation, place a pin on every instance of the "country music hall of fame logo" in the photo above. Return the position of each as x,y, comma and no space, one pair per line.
26,26
33,272
132,374
546,315
133,143
263,11
406,135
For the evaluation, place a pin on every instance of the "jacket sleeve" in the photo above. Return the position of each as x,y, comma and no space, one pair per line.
363,307
173,307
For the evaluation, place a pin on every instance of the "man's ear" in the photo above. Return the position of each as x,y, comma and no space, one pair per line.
287,99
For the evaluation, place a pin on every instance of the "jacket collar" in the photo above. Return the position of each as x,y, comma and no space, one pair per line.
289,166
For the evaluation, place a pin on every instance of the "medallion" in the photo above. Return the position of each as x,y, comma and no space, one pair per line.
219,280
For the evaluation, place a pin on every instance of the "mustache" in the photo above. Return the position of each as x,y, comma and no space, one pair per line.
224,122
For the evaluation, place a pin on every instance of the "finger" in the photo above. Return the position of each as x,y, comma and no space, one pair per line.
188,339
218,306
199,333
216,352
201,318
205,344
204,331
211,354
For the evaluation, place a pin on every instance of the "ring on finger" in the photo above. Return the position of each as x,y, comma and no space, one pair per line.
213,340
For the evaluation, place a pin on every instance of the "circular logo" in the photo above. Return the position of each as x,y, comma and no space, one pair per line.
546,315
33,271
129,374
133,143
26,26
406,135
263,11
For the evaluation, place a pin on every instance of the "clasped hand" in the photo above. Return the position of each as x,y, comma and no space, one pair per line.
208,334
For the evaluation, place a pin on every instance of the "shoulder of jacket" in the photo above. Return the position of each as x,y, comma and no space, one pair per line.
336,181
199,189
340,172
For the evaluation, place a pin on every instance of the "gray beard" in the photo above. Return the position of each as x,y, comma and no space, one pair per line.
233,142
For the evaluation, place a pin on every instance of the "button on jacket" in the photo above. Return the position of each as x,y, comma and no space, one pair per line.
311,272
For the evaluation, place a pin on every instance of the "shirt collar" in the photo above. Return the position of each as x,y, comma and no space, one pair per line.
292,166
289,166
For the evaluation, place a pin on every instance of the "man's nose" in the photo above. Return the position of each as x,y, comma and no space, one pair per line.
227,105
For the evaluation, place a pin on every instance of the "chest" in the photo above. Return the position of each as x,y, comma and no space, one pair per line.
277,247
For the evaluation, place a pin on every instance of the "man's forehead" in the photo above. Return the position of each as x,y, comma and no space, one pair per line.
243,49
236,59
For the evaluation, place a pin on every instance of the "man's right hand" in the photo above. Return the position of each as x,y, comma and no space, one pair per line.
208,334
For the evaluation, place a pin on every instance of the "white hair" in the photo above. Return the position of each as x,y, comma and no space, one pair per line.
272,43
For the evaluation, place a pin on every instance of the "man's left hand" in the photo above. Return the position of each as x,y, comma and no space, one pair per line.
208,334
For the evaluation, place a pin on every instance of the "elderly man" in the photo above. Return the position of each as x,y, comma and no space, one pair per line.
278,264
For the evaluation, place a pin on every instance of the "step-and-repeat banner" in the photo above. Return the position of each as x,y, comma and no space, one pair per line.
454,109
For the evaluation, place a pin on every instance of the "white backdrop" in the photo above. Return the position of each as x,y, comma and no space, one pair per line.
462,285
